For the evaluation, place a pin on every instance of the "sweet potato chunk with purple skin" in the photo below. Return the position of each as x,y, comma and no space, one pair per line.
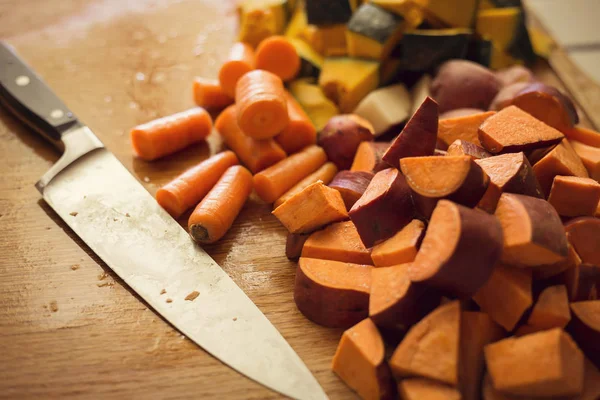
384,208
512,129
561,160
419,389
465,127
459,250
553,270
456,178
572,196
419,136
337,242
334,294
514,74
342,135
351,185
397,303
585,328
461,112
430,349
547,363
509,173
582,282
590,157
551,310
360,362
400,248
532,230
294,243
584,235
464,148
506,95
368,157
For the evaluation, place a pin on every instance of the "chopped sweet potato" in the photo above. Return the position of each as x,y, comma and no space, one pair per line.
585,328
384,208
419,389
314,207
584,235
551,309
582,282
461,112
351,185
400,248
590,157
552,270
332,293
561,160
459,250
462,128
506,95
583,135
513,286
533,232
515,73
360,362
512,129
510,173
337,242
430,349
546,363
368,157
294,243
572,196
463,148
342,135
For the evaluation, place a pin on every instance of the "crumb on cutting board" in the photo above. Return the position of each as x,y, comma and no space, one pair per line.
235,318
73,213
102,276
169,300
163,291
127,215
192,296
104,284
53,306
75,267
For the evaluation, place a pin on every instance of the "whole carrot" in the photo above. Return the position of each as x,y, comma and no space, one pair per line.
300,131
261,104
191,186
239,62
277,55
215,214
169,134
209,94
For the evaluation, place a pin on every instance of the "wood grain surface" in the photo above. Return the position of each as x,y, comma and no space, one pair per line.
68,326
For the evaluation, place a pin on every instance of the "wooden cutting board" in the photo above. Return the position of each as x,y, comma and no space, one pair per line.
68,325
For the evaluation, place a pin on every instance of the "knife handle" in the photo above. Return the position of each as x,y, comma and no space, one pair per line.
24,93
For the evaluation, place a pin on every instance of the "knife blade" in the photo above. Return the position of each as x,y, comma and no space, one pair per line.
120,221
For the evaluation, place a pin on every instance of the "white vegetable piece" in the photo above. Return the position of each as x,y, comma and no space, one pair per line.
385,107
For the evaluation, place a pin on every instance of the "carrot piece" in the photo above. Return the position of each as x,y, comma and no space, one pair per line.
561,160
585,328
191,186
300,131
332,293
261,104
395,302
215,214
324,174
584,235
515,368
360,362
459,251
583,135
351,185
337,242
170,134
208,94
590,157
512,129
430,349
239,62
532,230
463,128
314,207
552,270
572,196
477,330
463,148
368,157
279,56
551,309
255,154
274,181
400,248
418,389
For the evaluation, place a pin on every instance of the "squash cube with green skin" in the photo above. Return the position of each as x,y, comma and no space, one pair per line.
426,49
410,10
318,107
311,62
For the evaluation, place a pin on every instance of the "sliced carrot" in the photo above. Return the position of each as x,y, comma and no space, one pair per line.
261,104
561,160
368,157
324,174
190,187
215,214
278,55
463,128
583,135
337,242
551,309
572,196
590,156
255,154
300,131
274,181
240,61
400,248
208,94
351,185
418,389
170,134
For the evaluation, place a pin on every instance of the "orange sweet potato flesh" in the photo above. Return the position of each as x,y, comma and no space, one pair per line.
459,250
561,160
553,270
573,196
314,207
351,185
513,286
532,230
360,362
430,349
584,235
368,157
294,244
418,389
590,157
463,148
551,309
583,135
462,128
395,302
400,248
585,328
332,293
547,363
461,112
337,242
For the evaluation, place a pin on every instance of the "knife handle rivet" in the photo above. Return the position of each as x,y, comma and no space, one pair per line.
22,80
56,114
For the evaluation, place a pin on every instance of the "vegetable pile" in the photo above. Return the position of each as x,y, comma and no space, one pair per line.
463,256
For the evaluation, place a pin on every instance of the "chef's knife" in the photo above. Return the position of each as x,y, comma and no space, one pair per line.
122,223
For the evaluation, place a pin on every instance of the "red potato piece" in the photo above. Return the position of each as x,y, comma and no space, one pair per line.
561,160
582,282
384,208
337,242
400,248
360,362
464,148
512,129
464,127
515,365
572,196
341,137
584,235
551,309
332,293
368,157
461,112
585,328
418,389
506,95
532,230
514,74
590,157
459,250
419,136
351,185
294,243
